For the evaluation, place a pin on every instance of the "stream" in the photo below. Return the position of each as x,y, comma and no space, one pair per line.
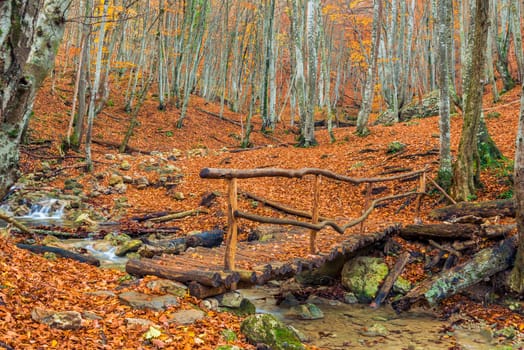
344,326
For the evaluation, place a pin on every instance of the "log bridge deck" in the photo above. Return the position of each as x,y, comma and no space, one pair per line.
257,262
213,271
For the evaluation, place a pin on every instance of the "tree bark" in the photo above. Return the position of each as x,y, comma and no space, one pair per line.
484,264
467,166
501,207
30,33
516,280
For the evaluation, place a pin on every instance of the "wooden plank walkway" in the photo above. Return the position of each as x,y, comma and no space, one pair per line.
257,262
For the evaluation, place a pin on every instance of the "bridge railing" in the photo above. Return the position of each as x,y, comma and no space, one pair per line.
233,214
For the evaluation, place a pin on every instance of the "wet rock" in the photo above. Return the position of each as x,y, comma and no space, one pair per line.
66,320
245,308
363,276
128,247
289,300
210,304
168,286
266,329
187,316
116,239
231,299
306,312
125,165
302,336
142,182
376,330
145,301
127,179
110,156
350,298
115,179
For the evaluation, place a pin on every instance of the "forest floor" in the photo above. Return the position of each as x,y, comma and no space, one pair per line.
207,141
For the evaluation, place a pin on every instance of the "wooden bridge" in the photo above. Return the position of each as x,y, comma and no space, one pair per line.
213,271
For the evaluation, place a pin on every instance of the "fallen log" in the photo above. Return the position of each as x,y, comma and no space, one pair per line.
390,279
496,231
442,231
145,267
501,207
180,215
200,291
482,265
150,216
209,239
15,223
60,252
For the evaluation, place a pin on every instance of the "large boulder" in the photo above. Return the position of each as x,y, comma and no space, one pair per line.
428,106
266,329
363,276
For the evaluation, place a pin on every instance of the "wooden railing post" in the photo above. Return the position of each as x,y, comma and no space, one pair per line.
421,189
231,239
315,214
367,200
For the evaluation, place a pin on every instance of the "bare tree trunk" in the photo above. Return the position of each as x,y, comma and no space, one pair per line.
369,89
445,37
516,280
30,33
467,165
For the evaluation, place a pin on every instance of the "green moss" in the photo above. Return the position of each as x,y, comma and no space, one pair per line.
395,147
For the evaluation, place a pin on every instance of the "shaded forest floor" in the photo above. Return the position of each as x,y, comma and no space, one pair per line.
207,141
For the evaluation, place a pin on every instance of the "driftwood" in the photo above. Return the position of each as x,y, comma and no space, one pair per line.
501,207
180,215
15,223
391,278
140,231
61,252
208,239
455,231
149,251
484,264
145,267
150,216
282,207
443,231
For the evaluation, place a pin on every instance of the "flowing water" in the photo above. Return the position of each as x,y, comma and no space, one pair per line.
352,327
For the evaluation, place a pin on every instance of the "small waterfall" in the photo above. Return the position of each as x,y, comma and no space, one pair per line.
46,209
4,208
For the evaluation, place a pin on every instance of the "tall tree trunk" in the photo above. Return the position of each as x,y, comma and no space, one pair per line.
307,129
467,165
445,36
369,89
30,33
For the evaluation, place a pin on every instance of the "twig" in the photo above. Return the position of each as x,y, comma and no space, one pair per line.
442,190
446,249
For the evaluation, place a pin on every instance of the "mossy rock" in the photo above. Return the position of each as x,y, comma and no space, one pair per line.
363,276
266,329
128,247
245,308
